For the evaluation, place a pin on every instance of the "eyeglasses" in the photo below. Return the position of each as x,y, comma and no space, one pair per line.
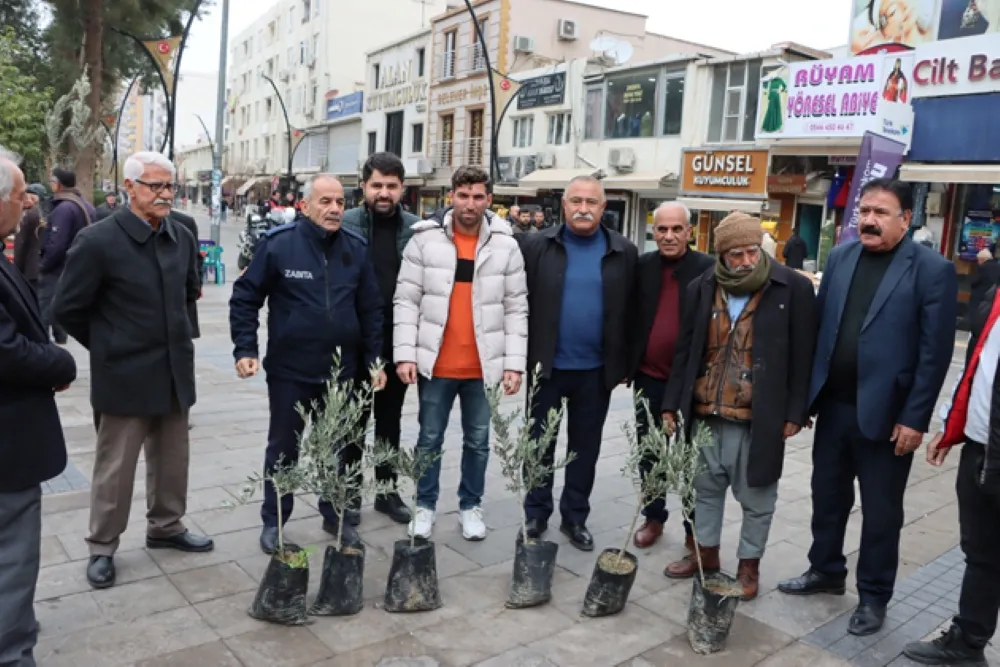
866,211
158,186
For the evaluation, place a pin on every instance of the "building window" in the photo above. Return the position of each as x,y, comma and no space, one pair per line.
673,104
291,56
291,19
315,47
631,105
376,72
316,4
421,56
734,102
306,10
594,106
524,129
448,59
560,129
478,55
417,145
302,52
372,142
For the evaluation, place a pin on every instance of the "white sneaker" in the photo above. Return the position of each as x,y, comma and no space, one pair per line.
422,524
473,527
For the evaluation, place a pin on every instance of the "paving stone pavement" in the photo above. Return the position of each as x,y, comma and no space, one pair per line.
172,609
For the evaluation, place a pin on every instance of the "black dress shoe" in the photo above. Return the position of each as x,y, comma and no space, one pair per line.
537,528
186,541
948,649
269,541
393,507
350,535
866,620
101,572
578,536
811,583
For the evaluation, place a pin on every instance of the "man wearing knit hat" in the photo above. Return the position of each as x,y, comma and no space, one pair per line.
742,368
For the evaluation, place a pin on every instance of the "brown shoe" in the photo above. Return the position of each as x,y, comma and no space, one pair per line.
748,576
687,567
648,534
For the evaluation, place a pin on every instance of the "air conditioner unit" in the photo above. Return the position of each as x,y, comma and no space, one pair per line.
311,61
283,75
567,30
310,112
424,166
524,45
622,159
545,160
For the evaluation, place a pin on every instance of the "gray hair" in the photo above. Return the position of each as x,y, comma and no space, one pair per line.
587,179
9,160
308,187
667,205
136,165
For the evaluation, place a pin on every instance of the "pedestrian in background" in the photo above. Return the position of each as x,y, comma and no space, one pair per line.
32,448
987,276
126,296
70,213
28,240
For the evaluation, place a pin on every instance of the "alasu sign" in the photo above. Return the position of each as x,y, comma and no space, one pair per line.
345,105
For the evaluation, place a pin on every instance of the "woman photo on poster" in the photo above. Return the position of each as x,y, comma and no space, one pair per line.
883,24
895,84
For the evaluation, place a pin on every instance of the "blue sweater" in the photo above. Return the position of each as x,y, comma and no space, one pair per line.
580,344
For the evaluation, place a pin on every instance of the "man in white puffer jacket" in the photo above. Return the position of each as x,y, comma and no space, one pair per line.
460,323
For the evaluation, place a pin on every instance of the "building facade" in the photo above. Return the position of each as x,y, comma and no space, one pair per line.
194,172
529,39
395,109
314,52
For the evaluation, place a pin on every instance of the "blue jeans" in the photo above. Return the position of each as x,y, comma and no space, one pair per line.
437,396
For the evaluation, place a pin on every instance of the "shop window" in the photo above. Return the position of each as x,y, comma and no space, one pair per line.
592,120
631,105
734,102
524,129
673,104
560,129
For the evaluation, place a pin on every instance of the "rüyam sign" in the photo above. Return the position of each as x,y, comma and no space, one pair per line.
734,173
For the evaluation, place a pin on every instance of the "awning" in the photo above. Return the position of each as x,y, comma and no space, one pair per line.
554,179
245,188
514,191
951,173
231,179
414,182
642,182
724,205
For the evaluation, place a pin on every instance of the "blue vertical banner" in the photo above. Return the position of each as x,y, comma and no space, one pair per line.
879,157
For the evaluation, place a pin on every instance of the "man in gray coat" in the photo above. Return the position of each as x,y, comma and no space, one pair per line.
125,295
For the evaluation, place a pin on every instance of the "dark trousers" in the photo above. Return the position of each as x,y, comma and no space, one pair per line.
388,412
46,294
978,517
20,553
841,454
283,442
653,389
588,400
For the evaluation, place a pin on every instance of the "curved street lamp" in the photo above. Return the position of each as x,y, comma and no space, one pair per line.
288,123
494,158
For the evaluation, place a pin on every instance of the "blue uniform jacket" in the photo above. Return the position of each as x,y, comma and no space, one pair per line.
322,295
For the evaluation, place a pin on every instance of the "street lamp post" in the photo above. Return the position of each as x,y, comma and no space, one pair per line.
494,158
288,124
220,128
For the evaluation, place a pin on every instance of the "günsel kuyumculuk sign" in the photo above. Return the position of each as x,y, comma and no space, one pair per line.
838,98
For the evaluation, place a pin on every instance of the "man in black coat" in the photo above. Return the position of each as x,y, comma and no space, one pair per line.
581,295
32,448
664,275
795,251
28,241
742,369
109,206
987,276
126,294
189,224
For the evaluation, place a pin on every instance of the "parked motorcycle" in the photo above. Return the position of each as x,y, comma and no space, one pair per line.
256,226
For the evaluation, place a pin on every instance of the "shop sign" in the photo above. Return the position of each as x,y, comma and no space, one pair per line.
843,160
843,97
343,106
473,93
786,184
736,173
964,66
542,91
396,88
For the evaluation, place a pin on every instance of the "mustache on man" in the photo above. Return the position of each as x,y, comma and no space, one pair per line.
872,230
589,217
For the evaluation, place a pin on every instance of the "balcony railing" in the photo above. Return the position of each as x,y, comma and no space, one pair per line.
453,154
460,62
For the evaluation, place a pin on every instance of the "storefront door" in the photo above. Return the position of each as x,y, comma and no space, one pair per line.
810,220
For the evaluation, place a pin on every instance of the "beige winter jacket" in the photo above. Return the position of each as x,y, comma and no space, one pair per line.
499,298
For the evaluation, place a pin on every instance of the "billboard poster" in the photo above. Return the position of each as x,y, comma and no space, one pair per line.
879,157
843,97
966,18
892,25
979,232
